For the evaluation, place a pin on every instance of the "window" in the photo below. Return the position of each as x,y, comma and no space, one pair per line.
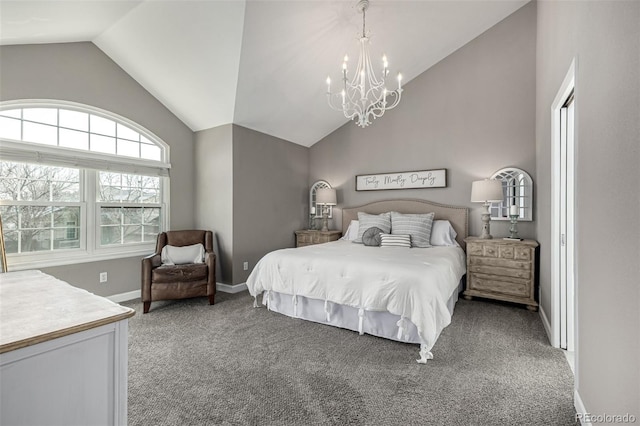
76,130
129,208
78,184
39,202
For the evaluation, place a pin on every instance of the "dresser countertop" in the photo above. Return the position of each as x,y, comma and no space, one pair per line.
36,307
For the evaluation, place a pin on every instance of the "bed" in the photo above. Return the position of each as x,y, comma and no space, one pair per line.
397,293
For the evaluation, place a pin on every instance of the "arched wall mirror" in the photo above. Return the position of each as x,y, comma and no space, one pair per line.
313,211
517,189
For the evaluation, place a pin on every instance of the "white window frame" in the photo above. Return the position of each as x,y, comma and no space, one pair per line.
89,163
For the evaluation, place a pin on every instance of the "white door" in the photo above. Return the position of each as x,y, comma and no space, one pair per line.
566,223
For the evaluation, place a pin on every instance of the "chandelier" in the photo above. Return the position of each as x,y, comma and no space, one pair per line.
364,98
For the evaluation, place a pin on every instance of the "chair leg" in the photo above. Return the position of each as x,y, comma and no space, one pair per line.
211,298
147,305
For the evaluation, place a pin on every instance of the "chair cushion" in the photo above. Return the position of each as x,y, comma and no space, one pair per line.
182,273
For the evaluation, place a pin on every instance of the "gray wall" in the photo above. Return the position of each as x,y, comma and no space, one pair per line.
80,72
270,195
605,39
214,191
251,189
472,113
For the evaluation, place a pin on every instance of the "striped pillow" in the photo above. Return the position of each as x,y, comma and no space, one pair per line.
395,240
416,225
382,221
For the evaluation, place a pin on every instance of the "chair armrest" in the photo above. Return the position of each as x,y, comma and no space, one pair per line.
148,264
155,259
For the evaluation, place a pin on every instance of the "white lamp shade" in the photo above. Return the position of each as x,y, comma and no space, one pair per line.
488,190
326,196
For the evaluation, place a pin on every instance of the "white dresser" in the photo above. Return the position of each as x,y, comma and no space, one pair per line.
63,353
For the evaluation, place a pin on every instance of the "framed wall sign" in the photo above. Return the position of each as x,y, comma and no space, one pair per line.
402,180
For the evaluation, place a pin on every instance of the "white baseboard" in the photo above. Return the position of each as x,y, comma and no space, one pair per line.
130,295
227,288
579,406
125,297
547,325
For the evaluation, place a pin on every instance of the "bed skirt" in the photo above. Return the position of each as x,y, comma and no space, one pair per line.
376,323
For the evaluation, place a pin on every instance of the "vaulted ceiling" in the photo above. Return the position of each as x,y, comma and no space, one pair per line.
261,64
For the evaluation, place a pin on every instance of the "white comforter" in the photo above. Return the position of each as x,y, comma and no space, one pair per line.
412,283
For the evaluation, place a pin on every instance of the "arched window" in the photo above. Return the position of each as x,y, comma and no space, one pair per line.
78,184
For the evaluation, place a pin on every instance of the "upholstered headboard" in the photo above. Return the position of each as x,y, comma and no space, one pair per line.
458,216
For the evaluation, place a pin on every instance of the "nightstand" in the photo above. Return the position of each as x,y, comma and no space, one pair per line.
308,237
502,270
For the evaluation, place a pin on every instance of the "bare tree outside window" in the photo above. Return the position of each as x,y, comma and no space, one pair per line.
36,206
137,220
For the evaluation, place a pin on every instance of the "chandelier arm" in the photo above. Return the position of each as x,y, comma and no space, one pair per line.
331,105
397,94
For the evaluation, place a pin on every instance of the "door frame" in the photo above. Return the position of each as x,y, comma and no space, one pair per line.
568,85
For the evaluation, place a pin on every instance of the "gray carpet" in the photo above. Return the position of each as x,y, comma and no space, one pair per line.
232,364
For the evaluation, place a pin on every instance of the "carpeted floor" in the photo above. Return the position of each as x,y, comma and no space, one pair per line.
232,364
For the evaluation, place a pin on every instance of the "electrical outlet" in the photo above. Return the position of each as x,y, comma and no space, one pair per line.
245,266
103,277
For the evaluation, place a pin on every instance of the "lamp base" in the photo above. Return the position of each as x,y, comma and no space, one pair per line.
513,229
486,226
325,221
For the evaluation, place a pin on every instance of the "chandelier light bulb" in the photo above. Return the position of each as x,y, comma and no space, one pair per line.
364,95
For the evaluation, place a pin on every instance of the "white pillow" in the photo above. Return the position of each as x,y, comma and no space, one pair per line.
443,234
352,231
173,255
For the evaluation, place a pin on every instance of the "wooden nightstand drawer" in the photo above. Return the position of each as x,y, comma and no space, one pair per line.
505,252
502,269
502,272
308,237
474,249
518,288
489,251
500,263
523,253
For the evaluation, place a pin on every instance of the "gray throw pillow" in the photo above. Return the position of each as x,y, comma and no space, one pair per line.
417,225
382,221
371,237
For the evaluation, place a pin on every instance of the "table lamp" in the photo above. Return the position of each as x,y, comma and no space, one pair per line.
325,197
486,191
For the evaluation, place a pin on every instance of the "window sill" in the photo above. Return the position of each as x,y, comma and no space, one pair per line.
20,264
